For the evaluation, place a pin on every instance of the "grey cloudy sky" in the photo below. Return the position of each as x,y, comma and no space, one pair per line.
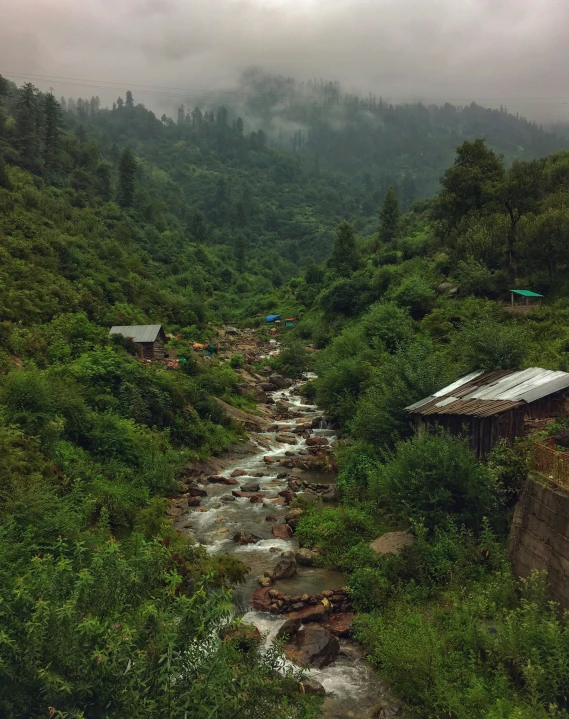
514,51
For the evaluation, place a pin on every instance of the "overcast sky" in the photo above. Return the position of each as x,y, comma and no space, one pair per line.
492,51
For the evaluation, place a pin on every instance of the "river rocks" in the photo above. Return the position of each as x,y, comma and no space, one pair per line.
228,498
246,495
387,710
288,495
305,557
194,501
313,645
292,517
245,538
392,542
282,531
218,479
311,613
238,473
282,475
286,438
268,387
196,492
245,636
270,518
290,627
270,460
341,624
312,687
330,494
280,381
285,569
250,487
264,581
317,442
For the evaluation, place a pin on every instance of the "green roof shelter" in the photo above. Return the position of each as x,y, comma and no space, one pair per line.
527,294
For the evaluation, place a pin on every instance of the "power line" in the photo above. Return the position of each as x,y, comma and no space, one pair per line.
194,93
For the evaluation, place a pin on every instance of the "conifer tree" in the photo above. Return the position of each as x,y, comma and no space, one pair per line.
389,218
129,100
28,122
344,258
53,127
127,171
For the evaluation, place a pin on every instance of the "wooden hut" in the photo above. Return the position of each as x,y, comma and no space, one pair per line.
522,301
489,406
149,339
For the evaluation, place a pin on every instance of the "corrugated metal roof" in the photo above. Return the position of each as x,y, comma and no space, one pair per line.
483,394
526,293
138,333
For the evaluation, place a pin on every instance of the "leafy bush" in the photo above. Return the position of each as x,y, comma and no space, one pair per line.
413,372
434,478
488,345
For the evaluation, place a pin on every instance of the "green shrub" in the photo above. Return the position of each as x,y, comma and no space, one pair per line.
434,478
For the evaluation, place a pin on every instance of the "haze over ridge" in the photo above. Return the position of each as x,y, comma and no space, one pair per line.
492,51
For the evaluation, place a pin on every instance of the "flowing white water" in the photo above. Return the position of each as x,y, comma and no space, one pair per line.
356,688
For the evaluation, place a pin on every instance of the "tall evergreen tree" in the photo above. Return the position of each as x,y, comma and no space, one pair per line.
129,100
53,127
389,217
28,124
127,171
344,258
239,251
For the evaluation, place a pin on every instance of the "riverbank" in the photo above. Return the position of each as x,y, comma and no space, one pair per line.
244,504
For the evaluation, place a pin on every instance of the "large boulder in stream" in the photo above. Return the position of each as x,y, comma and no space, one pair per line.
245,538
305,557
280,381
317,442
313,645
250,487
285,569
282,531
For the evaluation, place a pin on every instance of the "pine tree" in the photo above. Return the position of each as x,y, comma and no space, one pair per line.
389,218
239,251
127,171
344,258
28,123
129,100
53,127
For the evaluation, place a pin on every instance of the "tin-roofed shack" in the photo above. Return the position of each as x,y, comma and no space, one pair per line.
490,406
149,339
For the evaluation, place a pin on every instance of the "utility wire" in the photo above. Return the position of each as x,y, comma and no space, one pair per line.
194,93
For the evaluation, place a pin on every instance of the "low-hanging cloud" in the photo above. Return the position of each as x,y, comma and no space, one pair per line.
493,51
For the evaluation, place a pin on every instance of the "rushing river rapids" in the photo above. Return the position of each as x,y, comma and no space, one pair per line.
357,689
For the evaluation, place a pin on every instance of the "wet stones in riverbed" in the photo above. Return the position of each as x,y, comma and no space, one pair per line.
282,531
287,438
194,501
282,475
292,517
280,381
317,442
289,628
305,557
285,569
245,538
313,645
228,498
196,492
250,487
238,473
270,460
218,479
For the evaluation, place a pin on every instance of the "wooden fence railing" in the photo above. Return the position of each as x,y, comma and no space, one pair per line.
552,464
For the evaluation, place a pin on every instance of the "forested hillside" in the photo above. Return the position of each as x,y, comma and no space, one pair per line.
303,204
397,317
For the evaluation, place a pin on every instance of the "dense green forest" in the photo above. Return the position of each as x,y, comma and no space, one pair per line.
397,316
116,216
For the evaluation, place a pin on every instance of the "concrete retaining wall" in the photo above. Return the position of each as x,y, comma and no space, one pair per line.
539,538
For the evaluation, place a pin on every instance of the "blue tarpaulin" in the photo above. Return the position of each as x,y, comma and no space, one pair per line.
272,318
